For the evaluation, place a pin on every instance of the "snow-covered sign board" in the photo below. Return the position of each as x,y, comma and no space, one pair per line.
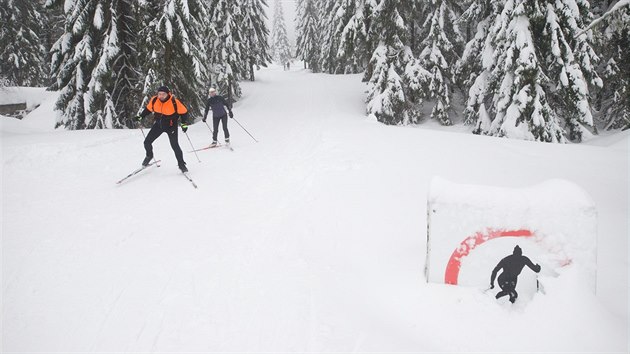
470,228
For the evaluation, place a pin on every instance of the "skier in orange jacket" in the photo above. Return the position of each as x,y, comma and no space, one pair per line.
167,110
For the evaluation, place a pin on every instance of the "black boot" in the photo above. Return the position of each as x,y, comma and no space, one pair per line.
182,167
147,161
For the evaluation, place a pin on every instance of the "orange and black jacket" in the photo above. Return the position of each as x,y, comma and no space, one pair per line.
167,111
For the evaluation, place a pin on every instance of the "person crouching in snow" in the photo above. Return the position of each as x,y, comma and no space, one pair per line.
218,104
512,266
166,111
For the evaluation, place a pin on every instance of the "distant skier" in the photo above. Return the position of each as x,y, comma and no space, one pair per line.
512,266
166,111
218,104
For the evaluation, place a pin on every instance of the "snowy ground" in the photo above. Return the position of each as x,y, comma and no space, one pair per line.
312,240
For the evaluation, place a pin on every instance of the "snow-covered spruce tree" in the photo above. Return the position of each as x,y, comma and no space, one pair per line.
228,65
353,30
308,30
476,20
439,55
531,80
393,74
254,35
92,64
54,23
327,10
614,98
171,49
417,28
125,93
279,40
21,51
572,65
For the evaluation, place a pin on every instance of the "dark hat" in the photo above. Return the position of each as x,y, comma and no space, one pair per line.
518,251
163,89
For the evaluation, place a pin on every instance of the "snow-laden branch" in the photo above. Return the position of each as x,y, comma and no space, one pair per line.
618,6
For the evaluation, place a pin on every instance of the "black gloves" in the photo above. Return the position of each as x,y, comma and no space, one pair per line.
231,114
184,127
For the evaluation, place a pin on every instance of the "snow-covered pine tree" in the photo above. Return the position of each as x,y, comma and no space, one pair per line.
228,65
279,39
353,30
393,74
476,21
54,22
254,35
327,10
125,93
571,64
439,55
308,30
614,41
21,51
90,63
531,79
171,49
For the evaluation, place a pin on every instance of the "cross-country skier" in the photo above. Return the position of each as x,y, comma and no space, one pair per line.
218,105
166,111
512,266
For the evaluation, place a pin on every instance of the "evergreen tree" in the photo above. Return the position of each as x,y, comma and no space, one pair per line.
531,80
353,21
614,41
54,22
172,49
255,35
308,34
329,42
228,64
21,51
279,40
393,74
476,19
439,56
91,62
125,91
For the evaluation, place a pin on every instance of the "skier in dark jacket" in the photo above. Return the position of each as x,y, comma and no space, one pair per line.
512,266
218,104
166,111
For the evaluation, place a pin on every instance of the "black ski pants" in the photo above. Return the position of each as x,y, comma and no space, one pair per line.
164,126
508,287
215,125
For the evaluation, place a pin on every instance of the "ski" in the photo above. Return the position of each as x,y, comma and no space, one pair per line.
205,148
138,171
213,147
189,179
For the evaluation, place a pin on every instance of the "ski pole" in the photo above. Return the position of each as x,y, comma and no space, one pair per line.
245,129
191,145
211,132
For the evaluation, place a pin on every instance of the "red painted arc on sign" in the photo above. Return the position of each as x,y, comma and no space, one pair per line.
470,243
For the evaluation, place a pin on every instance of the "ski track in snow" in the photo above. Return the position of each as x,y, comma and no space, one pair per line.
311,240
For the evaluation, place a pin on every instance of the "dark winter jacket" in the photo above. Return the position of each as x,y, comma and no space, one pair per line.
166,112
512,266
217,104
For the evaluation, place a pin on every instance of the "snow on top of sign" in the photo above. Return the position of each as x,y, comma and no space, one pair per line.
550,194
